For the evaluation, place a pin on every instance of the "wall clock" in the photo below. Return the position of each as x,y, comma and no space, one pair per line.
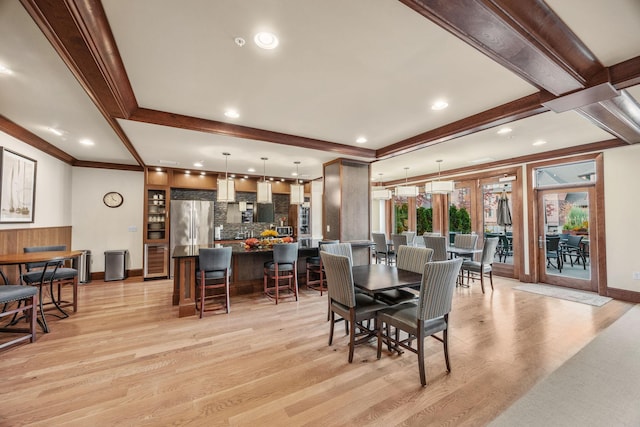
113,199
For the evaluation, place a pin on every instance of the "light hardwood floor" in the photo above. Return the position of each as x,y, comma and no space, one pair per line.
125,358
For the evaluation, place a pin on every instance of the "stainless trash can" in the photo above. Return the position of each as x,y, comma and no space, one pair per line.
83,265
115,265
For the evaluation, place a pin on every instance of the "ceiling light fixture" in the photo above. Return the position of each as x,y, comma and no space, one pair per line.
439,105
264,187
226,188
55,131
6,71
439,187
198,164
379,193
266,40
296,196
361,140
406,190
540,142
87,142
232,114
504,131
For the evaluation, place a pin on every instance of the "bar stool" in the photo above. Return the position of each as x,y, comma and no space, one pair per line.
283,266
314,268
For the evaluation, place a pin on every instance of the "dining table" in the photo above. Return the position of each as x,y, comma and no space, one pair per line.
372,278
457,251
23,258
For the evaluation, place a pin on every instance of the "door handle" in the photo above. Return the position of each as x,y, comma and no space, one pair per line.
540,242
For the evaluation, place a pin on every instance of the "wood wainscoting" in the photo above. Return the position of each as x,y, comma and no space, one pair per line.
15,240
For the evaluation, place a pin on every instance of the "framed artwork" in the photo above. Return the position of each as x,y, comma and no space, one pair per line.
18,190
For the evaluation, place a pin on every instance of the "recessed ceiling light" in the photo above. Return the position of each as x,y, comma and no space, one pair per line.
540,142
361,140
158,169
482,160
198,164
232,175
86,142
187,172
232,114
251,170
504,131
203,173
270,179
439,105
5,70
281,179
266,40
246,177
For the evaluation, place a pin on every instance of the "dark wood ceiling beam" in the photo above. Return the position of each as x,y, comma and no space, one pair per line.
625,74
20,133
103,165
526,37
515,110
80,33
145,115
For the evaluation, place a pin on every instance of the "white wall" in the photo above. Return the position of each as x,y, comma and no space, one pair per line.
53,187
97,227
316,209
622,216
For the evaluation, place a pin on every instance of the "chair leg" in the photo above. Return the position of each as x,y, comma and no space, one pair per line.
379,334
203,292
228,307
333,321
445,342
420,339
481,279
277,285
352,335
33,317
491,278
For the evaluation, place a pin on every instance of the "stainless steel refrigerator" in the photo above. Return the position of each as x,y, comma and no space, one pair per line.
191,224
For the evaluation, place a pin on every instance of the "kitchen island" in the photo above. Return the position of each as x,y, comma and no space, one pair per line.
247,268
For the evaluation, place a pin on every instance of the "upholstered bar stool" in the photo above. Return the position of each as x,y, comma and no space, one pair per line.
214,272
315,273
283,267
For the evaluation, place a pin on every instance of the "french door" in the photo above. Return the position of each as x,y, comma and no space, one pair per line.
566,244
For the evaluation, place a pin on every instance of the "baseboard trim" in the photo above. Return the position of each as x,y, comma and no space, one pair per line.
624,295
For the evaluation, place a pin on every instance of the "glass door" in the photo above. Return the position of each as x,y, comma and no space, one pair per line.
564,247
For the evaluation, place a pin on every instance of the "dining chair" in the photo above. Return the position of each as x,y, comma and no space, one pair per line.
411,237
465,241
572,248
283,266
18,299
214,272
439,246
399,240
315,274
554,252
411,258
485,265
354,308
505,247
62,276
382,251
343,249
426,317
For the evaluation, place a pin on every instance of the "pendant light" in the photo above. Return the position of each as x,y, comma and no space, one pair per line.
264,186
380,193
226,189
439,187
296,190
406,190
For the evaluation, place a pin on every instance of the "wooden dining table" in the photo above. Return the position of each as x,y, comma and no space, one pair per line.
373,278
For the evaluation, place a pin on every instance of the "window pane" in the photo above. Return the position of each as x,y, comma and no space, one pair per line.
570,173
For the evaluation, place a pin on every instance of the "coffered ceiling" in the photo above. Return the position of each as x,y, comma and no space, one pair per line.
149,81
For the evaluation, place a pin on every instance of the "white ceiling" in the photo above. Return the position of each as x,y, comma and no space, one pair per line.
343,69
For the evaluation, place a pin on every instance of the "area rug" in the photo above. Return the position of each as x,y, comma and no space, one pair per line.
596,387
583,297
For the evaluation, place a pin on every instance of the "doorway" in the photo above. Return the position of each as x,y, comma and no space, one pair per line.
565,249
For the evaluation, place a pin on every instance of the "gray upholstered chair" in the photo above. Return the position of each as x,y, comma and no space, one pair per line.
18,299
465,241
485,265
283,266
343,249
426,317
383,253
410,258
399,240
315,274
411,237
439,246
214,272
354,308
